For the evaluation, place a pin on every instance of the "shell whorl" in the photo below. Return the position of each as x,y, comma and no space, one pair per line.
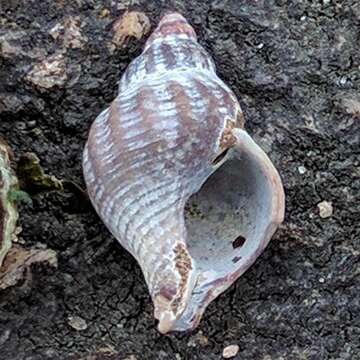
150,151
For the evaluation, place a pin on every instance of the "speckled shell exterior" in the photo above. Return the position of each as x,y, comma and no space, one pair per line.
151,150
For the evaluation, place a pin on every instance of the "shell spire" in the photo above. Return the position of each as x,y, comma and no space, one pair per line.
177,180
172,25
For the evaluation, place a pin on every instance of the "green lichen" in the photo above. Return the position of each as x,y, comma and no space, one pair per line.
19,197
32,176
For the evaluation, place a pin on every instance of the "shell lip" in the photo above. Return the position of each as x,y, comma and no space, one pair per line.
246,143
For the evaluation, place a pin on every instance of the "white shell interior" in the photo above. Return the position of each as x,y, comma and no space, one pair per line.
227,218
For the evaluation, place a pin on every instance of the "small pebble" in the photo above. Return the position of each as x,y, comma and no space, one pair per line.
133,24
230,351
107,349
351,104
77,323
325,209
131,357
342,80
49,73
302,170
104,13
201,339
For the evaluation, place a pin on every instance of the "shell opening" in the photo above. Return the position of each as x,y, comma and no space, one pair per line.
229,221
228,215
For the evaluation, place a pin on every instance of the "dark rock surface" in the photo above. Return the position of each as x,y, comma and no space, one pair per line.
295,66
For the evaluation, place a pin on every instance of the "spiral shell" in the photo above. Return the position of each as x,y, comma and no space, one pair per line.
177,180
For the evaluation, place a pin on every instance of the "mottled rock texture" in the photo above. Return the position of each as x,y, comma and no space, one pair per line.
295,67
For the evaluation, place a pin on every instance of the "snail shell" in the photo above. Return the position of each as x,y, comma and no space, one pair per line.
8,211
177,180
